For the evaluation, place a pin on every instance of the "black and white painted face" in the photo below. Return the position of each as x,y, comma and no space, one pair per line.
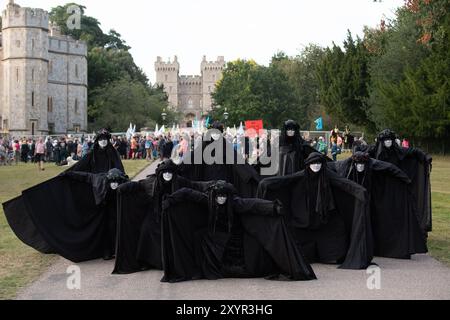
290,133
221,200
315,167
103,143
167,176
114,185
360,167
215,136
388,143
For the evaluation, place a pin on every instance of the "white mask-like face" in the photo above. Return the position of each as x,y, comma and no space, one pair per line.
221,200
315,167
290,133
215,136
388,143
103,143
167,176
360,167
114,185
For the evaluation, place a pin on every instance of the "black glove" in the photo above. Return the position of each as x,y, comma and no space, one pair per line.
165,204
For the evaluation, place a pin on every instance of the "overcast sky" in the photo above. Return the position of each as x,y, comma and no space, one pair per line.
232,28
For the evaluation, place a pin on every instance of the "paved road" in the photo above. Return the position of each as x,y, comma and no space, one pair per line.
419,278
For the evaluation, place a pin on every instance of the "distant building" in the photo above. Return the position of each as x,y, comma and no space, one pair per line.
43,76
190,95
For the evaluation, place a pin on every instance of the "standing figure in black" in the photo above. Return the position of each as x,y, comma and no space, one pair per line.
101,158
395,226
416,164
293,149
326,213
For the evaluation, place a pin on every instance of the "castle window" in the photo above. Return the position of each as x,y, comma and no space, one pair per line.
1,123
190,104
32,75
76,105
50,104
5,124
32,98
17,75
76,70
50,66
51,128
32,44
76,128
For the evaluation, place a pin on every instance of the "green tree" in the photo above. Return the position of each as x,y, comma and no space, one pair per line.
249,92
344,77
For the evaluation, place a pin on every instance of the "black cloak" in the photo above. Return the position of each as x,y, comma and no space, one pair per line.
293,150
327,214
244,238
138,245
417,165
395,227
100,160
240,174
69,215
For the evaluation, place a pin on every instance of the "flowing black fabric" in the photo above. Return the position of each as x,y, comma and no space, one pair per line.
66,216
138,245
344,236
395,226
243,176
417,165
99,160
258,244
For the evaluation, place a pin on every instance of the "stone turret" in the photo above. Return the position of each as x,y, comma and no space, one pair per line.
167,74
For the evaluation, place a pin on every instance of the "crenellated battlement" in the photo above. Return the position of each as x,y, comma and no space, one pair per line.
163,66
15,16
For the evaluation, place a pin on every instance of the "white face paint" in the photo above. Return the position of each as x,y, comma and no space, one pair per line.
103,143
114,185
221,200
167,176
290,133
388,143
215,136
360,167
315,167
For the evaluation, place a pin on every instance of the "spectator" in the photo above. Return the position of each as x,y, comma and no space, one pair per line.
405,143
16,149
39,154
322,146
24,151
148,148
335,151
48,150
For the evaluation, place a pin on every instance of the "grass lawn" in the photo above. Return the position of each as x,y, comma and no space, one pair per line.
19,264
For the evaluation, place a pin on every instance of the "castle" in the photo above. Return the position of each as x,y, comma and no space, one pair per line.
43,76
190,95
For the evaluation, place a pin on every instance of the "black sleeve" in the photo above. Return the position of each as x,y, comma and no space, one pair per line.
256,207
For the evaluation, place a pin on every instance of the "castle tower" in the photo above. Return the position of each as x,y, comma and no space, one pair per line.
211,74
167,74
25,70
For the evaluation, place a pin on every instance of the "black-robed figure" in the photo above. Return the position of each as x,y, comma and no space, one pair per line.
72,215
395,225
217,235
139,218
326,213
233,170
102,158
416,164
293,149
